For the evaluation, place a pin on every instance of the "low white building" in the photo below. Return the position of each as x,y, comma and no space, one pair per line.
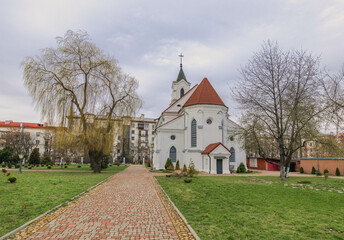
196,127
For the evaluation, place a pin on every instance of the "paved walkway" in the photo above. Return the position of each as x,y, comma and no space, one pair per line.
127,206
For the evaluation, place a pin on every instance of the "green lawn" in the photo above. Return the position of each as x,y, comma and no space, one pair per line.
83,167
37,192
260,207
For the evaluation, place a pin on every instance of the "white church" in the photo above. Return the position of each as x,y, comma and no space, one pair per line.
196,127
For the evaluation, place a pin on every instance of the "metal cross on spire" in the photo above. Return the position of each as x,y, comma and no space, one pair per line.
181,59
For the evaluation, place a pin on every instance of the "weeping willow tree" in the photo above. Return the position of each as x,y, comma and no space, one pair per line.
77,80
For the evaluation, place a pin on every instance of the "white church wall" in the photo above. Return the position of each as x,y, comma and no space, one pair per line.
231,140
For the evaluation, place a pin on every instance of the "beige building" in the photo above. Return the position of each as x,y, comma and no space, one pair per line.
133,137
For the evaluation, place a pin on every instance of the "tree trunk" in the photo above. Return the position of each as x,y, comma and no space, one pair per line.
96,160
282,172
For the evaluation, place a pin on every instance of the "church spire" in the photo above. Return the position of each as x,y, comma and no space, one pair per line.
181,74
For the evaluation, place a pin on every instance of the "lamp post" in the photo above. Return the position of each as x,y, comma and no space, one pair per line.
21,156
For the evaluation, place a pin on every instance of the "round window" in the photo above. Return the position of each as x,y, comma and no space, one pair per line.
209,121
173,137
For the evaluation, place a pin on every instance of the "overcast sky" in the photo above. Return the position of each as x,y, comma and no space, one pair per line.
216,38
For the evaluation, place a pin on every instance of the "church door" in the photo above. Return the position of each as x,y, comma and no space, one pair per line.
219,166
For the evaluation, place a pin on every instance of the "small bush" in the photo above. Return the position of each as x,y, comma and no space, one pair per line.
168,175
177,165
49,167
241,168
16,166
304,182
4,170
12,179
9,166
337,172
326,175
29,167
192,170
65,166
8,174
313,170
169,164
326,171
187,180
79,166
3,165
301,170
319,173
185,169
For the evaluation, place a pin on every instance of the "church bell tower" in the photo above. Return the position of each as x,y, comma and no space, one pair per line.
181,85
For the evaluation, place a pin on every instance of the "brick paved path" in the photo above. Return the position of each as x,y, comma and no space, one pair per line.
127,206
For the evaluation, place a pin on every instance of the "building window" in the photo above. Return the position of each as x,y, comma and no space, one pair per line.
181,92
37,142
209,121
133,125
132,138
253,162
119,138
152,138
118,151
146,126
132,131
38,134
152,132
173,137
232,157
194,133
173,154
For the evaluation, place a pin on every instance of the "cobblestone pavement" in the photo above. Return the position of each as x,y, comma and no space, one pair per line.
130,205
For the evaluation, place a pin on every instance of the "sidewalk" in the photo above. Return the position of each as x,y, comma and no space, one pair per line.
126,206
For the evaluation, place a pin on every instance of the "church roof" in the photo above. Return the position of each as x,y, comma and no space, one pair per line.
212,147
204,94
181,74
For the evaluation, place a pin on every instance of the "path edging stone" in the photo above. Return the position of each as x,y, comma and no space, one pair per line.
15,231
177,210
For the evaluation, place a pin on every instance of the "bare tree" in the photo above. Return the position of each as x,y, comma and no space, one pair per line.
281,94
333,85
20,142
76,79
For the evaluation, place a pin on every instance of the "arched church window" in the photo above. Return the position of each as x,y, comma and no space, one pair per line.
181,92
232,157
194,133
173,154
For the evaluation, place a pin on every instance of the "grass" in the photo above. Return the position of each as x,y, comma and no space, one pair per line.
37,192
252,207
83,167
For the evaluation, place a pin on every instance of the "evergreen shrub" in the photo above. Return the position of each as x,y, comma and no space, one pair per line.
241,168
177,165
337,172
12,179
301,170
313,170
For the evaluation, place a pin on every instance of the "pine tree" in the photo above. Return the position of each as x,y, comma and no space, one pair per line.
34,157
169,164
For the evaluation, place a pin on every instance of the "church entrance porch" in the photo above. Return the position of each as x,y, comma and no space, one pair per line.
219,166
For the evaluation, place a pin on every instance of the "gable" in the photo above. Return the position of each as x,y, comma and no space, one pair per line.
177,105
176,123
